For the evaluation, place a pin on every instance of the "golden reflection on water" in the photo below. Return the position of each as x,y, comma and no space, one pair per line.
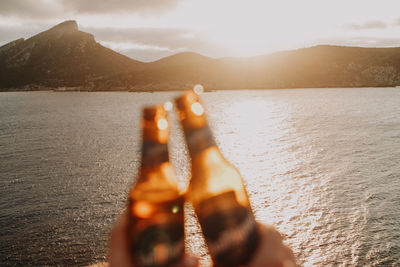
252,135
321,165
260,137
307,165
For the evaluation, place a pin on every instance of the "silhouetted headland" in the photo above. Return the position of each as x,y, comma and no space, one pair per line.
68,59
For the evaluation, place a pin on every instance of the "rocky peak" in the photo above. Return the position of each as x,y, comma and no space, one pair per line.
60,56
66,26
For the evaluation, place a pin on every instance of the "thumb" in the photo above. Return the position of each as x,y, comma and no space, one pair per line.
190,261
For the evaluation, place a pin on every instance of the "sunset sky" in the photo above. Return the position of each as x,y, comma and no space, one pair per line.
150,29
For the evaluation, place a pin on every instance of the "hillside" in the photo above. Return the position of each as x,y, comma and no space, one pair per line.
314,67
60,56
63,56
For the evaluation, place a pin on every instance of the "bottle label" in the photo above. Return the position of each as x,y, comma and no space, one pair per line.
158,240
154,153
199,139
229,229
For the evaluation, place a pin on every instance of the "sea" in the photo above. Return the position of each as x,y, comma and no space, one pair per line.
320,165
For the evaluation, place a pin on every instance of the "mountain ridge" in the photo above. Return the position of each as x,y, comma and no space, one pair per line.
60,56
65,57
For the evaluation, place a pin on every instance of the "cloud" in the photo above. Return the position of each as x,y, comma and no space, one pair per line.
159,37
29,8
364,41
375,24
145,44
148,44
53,9
11,32
146,55
117,6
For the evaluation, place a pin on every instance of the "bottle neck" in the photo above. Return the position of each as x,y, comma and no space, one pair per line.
155,131
154,153
199,139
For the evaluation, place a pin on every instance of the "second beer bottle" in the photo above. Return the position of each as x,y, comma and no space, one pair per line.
216,191
155,205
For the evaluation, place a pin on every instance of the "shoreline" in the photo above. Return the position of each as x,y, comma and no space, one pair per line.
77,89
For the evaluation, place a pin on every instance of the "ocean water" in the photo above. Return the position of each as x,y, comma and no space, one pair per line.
321,165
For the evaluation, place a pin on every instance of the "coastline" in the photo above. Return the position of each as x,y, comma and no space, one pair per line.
65,89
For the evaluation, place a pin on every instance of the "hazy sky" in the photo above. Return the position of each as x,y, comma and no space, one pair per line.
150,29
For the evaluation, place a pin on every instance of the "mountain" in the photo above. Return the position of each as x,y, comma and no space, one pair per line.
63,56
60,56
314,67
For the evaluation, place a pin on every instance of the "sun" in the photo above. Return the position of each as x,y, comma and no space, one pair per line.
245,28
241,29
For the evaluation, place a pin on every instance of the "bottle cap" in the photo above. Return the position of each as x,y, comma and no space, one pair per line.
152,112
190,110
155,124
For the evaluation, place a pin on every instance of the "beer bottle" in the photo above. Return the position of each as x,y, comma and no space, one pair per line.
216,191
156,225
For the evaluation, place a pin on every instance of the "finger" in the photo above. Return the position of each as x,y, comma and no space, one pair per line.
118,254
290,259
190,261
270,233
271,251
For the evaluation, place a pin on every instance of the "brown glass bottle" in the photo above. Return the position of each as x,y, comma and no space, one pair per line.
156,225
216,191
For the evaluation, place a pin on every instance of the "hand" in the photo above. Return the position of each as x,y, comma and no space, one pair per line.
271,252
118,253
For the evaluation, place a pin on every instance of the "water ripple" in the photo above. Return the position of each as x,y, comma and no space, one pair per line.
320,165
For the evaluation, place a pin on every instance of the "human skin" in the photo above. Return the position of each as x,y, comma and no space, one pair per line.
118,253
271,251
